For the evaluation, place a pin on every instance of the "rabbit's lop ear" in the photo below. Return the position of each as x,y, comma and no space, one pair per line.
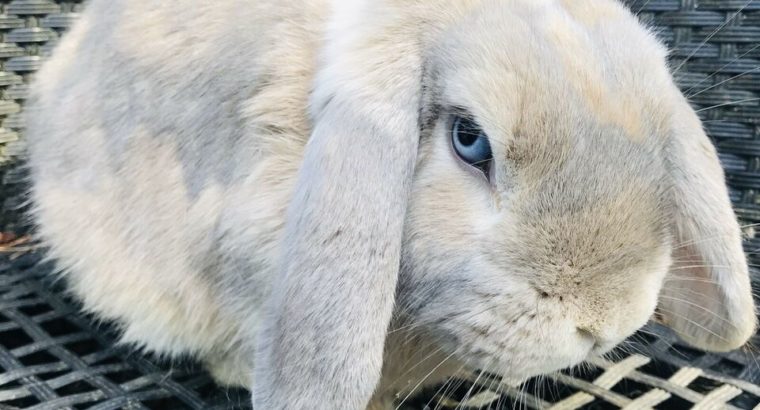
322,342
707,297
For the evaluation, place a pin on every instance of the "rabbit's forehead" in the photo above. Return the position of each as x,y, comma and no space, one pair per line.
596,62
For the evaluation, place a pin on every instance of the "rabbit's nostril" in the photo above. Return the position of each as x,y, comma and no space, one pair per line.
585,333
543,294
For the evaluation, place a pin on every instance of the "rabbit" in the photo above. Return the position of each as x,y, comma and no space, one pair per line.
336,204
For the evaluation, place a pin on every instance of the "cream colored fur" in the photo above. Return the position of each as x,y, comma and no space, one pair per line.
240,181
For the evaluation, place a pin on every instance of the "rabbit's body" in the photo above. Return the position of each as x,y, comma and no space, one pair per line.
163,182
167,243
174,184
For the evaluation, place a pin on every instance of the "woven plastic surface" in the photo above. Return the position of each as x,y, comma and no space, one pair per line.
53,357
29,30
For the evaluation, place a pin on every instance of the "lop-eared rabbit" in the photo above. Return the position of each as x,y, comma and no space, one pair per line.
338,203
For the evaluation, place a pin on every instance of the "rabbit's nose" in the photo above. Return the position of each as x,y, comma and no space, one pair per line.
595,332
603,340
594,343
589,335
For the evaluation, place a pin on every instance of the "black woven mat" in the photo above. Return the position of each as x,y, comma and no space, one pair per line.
53,357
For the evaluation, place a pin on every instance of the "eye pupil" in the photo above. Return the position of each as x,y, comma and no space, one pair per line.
471,143
466,131
467,139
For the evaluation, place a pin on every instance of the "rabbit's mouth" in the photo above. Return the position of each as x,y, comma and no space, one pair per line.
597,352
602,348
516,361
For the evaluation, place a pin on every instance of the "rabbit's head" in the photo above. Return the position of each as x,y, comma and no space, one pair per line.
564,190
535,172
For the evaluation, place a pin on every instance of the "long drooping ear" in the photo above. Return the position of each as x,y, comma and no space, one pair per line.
707,298
322,342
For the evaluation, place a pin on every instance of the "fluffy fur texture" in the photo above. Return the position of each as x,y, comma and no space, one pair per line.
241,180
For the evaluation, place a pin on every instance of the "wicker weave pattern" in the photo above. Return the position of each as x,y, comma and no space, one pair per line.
51,356
29,30
715,48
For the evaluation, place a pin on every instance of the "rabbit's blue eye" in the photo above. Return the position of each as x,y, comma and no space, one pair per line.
471,143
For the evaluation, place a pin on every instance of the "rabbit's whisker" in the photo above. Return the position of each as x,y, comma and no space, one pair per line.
708,38
700,295
419,362
440,396
702,308
753,48
752,252
644,6
699,266
718,84
500,392
688,320
676,278
538,390
644,343
627,347
472,387
423,380
496,387
684,244
735,102
448,386
697,293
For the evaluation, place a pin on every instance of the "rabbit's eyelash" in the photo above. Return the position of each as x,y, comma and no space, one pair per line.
460,111
453,111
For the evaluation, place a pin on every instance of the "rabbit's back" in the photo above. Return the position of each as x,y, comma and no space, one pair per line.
162,138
